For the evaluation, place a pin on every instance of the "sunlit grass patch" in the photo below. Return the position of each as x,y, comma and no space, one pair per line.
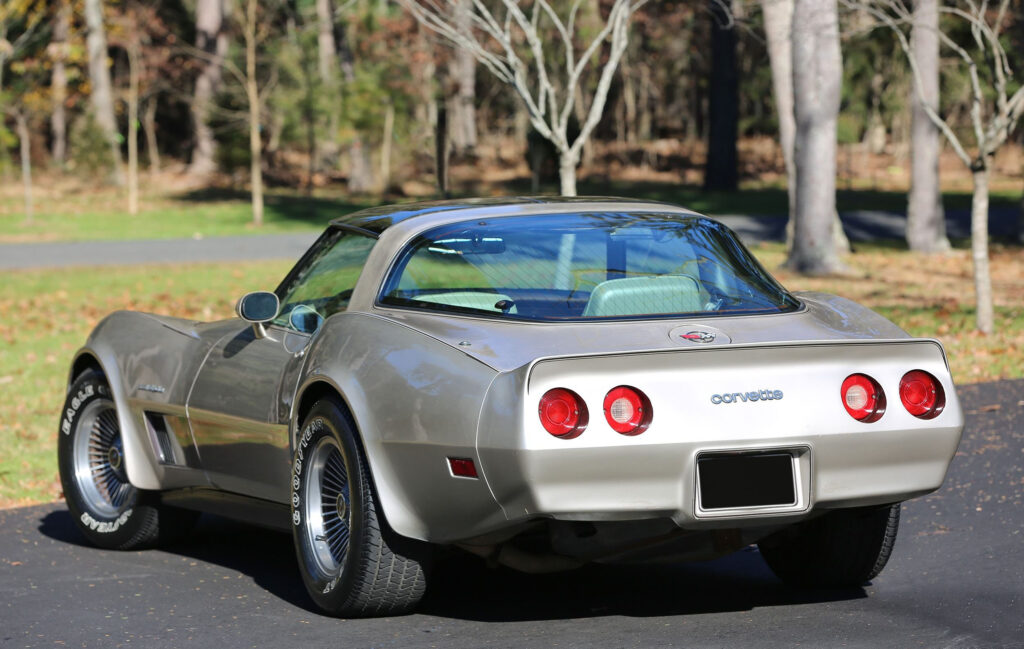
933,297
48,314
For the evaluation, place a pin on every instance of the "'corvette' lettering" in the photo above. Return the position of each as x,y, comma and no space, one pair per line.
736,397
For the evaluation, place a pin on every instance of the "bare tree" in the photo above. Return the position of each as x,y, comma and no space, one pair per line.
817,81
134,63
778,26
336,57
721,172
463,72
59,81
328,68
212,41
25,142
99,75
511,42
926,221
992,120
252,94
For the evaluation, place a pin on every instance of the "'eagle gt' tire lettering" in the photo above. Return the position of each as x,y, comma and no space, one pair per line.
109,511
352,564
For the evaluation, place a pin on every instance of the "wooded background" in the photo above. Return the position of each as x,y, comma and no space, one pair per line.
382,96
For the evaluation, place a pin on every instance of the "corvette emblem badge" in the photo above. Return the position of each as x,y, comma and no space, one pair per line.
698,336
698,333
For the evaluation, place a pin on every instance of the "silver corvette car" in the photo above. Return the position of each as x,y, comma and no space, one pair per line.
541,382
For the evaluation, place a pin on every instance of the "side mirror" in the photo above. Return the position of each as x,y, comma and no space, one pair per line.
305,319
258,308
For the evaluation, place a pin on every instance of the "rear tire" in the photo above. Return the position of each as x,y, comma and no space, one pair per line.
109,511
352,564
842,549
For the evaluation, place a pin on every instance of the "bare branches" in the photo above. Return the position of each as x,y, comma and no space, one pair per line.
1006,111
516,45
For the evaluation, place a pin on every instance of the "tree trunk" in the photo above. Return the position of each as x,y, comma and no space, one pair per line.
133,126
441,149
463,69
385,147
325,39
926,222
252,92
328,67
721,172
817,79
1020,221
360,174
979,250
24,139
213,40
778,21
567,172
99,76
59,83
149,126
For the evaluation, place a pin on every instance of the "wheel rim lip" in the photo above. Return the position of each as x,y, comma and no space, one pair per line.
103,487
328,523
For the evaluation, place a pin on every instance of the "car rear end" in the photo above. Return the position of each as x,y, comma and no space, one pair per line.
721,436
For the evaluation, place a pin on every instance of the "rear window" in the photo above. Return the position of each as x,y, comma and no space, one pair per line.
582,267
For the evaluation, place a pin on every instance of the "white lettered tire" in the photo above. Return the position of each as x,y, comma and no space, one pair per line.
107,509
352,564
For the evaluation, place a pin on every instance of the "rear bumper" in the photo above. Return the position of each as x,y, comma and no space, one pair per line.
660,480
838,461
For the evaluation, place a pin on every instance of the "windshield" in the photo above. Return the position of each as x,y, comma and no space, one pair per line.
584,266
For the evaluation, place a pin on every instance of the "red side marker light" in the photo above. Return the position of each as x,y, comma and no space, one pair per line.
462,467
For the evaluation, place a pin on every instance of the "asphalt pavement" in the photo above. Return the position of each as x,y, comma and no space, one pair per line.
860,225
956,579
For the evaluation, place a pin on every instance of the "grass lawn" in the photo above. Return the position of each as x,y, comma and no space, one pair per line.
101,214
70,212
47,315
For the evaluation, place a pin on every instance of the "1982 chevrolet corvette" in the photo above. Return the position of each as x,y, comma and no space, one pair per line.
542,382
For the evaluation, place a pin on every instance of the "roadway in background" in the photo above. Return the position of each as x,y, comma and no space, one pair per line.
863,225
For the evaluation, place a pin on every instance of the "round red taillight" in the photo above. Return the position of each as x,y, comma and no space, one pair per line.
863,398
627,410
563,413
922,394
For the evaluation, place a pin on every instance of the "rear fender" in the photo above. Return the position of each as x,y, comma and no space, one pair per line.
415,401
149,363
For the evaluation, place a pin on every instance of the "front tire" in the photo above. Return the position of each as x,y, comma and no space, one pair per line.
842,549
109,511
352,564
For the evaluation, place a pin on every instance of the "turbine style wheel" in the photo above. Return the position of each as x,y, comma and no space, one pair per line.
352,563
108,510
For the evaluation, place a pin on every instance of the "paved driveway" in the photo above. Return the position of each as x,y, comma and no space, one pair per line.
956,579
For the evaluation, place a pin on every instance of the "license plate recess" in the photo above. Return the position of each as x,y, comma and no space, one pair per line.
744,480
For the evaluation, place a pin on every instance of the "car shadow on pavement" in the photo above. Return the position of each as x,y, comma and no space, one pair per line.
266,556
463,587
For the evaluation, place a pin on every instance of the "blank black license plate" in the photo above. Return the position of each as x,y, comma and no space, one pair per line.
746,480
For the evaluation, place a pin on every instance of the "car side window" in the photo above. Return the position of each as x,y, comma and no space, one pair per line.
323,286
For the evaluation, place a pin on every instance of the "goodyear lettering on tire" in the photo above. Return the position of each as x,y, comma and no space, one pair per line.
105,527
